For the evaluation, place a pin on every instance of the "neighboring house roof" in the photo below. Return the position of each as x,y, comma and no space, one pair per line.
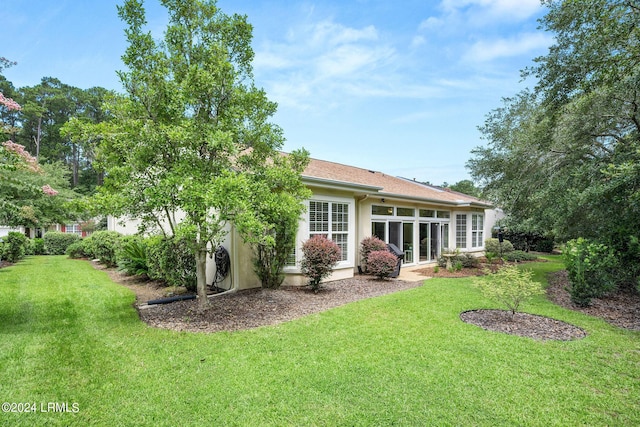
330,174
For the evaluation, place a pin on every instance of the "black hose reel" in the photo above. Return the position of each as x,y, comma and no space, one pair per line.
223,266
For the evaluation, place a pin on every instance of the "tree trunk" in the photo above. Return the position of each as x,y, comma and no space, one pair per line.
201,277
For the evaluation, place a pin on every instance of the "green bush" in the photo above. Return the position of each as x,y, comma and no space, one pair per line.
132,256
15,245
75,250
320,255
35,247
368,245
56,243
509,286
592,269
460,260
493,245
544,245
519,256
381,263
172,261
103,245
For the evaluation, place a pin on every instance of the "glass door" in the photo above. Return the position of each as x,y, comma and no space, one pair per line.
407,241
425,240
435,244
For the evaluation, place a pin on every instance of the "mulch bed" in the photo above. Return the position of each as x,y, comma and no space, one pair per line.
621,309
259,307
523,324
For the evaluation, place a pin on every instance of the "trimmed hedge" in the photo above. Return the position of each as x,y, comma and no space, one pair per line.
56,242
103,245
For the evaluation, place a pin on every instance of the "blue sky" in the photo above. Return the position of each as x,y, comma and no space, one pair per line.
395,86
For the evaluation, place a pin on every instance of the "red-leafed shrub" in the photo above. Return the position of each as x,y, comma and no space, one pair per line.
320,255
382,263
368,245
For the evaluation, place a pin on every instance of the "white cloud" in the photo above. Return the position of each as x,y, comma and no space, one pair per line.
488,50
509,9
431,23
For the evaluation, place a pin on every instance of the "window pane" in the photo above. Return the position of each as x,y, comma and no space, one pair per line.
340,217
378,229
341,240
461,231
381,210
318,217
444,214
405,212
427,213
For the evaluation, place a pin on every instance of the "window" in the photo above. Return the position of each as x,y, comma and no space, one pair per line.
381,210
340,227
477,230
73,229
378,229
461,231
444,214
405,212
427,213
318,218
334,227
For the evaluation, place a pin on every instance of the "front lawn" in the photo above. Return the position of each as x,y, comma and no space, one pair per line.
71,336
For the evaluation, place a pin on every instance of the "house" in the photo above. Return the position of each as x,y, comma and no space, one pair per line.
81,229
351,203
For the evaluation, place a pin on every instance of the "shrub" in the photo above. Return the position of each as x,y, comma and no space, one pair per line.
381,263
15,245
519,256
103,245
493,245
591,268
56,243
544,245
132,256
172,261
320,255
509,286
368,245
75,250
36,247
463,260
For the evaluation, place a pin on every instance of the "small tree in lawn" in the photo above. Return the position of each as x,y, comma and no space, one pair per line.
320,255
192,129
381,263
509,286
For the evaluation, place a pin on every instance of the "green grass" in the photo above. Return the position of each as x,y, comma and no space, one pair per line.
68,334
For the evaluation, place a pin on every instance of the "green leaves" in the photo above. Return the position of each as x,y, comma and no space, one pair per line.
510,286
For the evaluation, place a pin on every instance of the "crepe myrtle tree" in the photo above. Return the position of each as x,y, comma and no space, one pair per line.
192,128
21,187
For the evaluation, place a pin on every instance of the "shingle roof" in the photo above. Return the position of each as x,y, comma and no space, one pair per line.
383,184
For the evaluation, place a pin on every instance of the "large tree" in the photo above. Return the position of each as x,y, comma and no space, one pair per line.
564,156
192,130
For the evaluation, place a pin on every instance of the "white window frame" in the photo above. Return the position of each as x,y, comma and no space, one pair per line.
471,233
477,230
461,231
305,232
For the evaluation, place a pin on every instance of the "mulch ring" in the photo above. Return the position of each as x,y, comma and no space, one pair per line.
523,324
